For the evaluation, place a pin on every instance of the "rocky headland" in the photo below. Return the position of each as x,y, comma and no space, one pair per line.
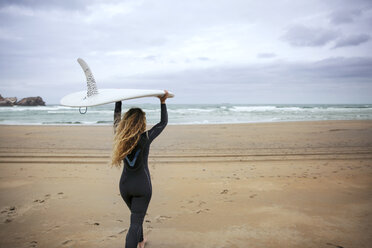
27,101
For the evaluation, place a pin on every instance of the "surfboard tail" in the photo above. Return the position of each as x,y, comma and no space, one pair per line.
91,83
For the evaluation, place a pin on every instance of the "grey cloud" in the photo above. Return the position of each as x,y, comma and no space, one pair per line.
276,81
65,4
352,40
331,68
266,55
347,4
309,36
151,57
344,16
203,58
339,68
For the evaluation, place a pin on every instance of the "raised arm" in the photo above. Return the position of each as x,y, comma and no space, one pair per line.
117,115
159,127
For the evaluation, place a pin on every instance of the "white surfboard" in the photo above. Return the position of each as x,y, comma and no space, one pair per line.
95,97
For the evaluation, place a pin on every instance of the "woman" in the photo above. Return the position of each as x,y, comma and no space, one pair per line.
132,144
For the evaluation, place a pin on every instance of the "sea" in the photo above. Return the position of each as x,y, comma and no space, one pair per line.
187,113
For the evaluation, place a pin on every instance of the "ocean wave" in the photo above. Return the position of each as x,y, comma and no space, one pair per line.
252,108
296,109
104,122
191,110
75,111
33,108
73,122
63,122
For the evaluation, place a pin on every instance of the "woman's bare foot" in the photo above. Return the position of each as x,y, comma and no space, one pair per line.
142,244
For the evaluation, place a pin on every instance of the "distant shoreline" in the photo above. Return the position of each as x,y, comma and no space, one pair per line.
187,114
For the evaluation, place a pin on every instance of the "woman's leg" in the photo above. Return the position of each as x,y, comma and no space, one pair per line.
138,211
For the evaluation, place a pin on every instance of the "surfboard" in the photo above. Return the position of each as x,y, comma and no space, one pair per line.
95,97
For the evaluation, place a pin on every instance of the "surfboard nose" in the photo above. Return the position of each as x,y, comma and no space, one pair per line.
91,83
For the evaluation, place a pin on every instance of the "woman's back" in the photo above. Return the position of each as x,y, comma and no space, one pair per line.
138,157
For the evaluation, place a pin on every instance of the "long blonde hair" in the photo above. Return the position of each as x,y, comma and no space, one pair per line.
128,133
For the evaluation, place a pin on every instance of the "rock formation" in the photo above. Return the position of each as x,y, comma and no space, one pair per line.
31,101
28,101
7,101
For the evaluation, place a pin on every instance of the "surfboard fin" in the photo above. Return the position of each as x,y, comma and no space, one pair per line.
91,83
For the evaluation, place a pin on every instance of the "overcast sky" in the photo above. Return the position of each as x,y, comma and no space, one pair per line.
233,51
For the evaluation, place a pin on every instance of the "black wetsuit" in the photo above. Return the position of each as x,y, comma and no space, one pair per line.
135,182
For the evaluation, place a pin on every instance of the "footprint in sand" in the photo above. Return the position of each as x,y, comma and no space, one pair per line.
202,210
224,191
61,195
9,213
68,242
93,224
33,243
53,228
338,246
46,197
161,218
122,231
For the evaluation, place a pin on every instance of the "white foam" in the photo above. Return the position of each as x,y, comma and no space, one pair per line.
252,108
33,108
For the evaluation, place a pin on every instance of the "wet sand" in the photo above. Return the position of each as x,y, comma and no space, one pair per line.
293,184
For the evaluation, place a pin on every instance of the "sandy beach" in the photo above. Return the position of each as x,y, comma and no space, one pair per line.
289,184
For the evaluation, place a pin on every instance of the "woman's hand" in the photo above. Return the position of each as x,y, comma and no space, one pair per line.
117,107
163,97
117,114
